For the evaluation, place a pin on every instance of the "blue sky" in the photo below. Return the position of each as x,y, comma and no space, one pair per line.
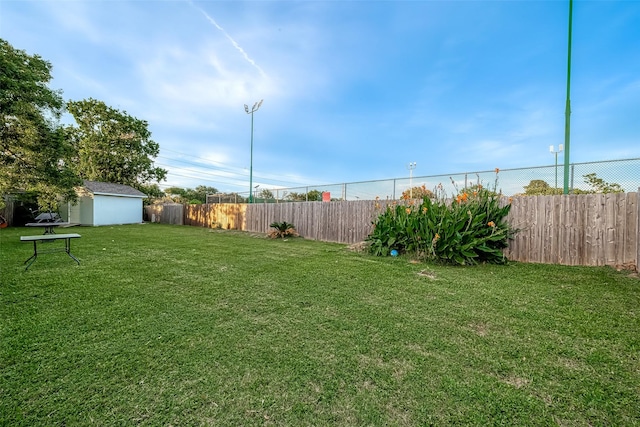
353,90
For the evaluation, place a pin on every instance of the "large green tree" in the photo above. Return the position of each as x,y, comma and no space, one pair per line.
34,152
112,146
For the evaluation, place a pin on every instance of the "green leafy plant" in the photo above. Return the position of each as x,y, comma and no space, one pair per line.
282,229
468,229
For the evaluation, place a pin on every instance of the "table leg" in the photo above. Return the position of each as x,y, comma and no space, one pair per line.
33,257
68,250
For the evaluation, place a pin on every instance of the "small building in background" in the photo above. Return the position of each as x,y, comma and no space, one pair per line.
103,203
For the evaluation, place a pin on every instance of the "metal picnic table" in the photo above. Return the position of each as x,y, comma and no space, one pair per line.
46,238
48,221
48,226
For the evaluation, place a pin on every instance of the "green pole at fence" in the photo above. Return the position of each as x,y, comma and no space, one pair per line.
567,123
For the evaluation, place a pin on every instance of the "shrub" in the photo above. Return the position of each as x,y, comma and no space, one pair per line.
282,229
417,193
468,229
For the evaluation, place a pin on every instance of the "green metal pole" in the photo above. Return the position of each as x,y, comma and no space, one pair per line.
567,124
251,164
555,188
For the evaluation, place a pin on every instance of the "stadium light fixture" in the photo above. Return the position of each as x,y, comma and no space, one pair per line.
411,166
553,151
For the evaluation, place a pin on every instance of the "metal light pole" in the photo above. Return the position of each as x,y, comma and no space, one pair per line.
411,166
567,124
552,151
253,110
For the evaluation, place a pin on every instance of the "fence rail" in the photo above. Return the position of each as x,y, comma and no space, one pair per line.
585,229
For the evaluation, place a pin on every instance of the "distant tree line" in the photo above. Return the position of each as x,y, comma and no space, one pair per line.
197,195
538,187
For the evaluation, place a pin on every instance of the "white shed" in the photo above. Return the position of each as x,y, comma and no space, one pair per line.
103,203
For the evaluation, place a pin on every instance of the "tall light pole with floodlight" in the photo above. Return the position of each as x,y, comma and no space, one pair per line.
253,110
553,151
411,166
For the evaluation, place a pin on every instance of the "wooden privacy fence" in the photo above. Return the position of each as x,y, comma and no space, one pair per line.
230,216
166,214
585,229
342,222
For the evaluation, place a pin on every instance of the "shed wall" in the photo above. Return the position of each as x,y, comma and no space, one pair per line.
84,211
108,210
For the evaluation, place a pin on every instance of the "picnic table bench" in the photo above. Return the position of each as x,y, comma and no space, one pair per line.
46,238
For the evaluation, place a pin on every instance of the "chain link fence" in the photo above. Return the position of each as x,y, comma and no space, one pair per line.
225,198
625,173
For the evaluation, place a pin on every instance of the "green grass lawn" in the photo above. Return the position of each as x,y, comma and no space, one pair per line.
184,326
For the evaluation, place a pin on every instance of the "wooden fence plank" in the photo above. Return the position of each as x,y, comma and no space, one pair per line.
630,231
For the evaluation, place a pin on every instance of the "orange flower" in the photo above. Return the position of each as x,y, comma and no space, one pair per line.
424,210
491,224
475,193
510,199
408,210
497,170
465,196
435,239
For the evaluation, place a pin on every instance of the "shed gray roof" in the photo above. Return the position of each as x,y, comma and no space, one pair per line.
104,188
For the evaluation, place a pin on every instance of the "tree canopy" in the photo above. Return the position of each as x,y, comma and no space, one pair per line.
189,195
34,153
112,146
310,196
599,185
265,194
418,192
538,187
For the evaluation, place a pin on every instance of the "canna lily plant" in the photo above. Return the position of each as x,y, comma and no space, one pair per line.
468,229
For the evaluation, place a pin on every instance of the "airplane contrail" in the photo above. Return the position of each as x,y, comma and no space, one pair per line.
233,42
